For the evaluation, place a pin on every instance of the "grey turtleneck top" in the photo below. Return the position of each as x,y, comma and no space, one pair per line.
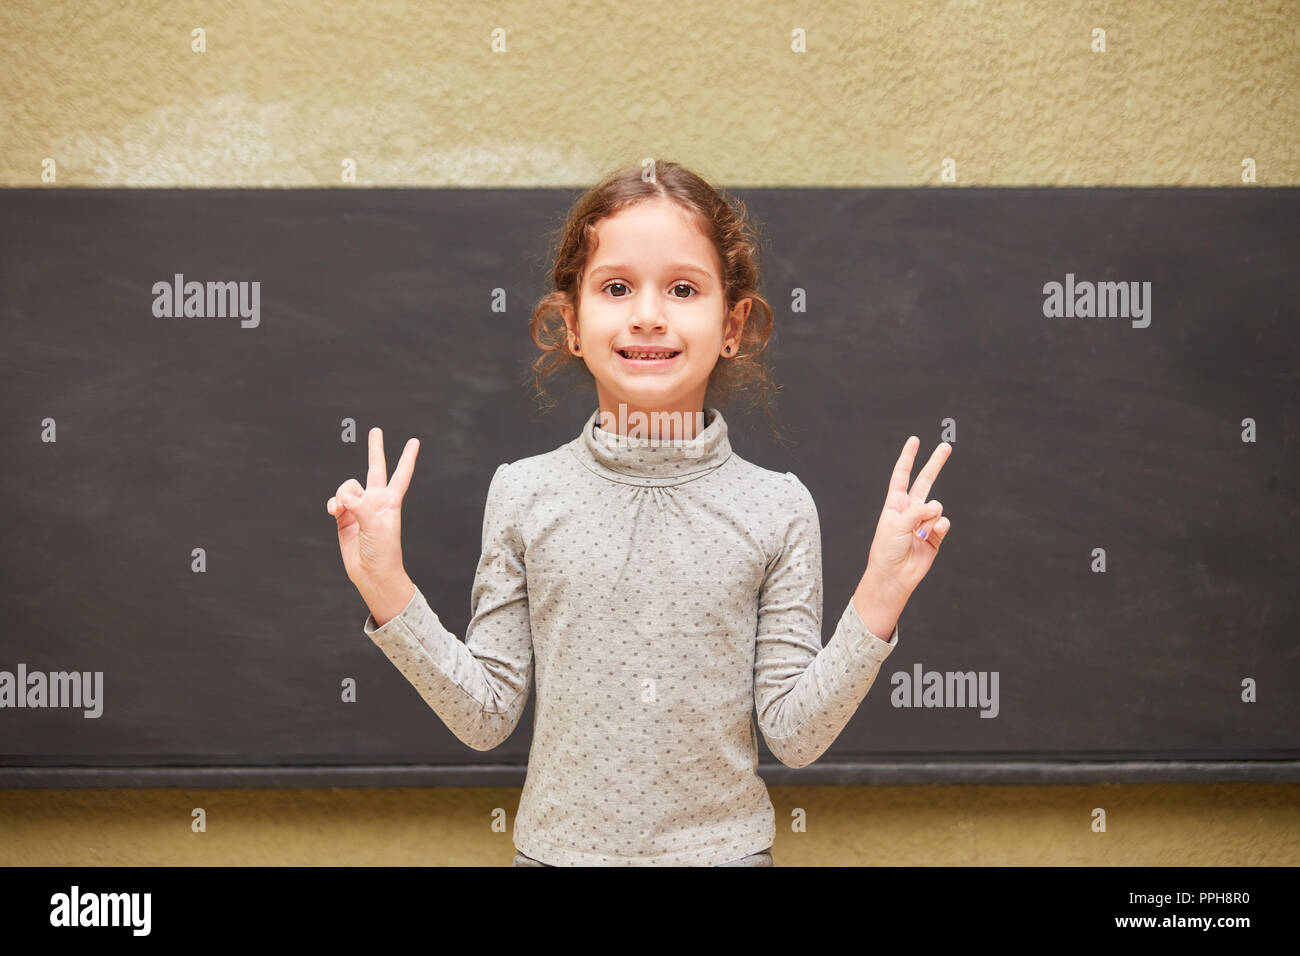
662,593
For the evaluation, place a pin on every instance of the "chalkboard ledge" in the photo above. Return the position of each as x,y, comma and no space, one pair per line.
1022,772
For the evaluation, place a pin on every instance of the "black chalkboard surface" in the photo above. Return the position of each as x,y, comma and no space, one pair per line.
1123,487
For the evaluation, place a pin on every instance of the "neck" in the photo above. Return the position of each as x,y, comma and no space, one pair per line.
654,425
631,459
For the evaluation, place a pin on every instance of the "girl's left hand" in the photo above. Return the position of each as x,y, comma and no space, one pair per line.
910,529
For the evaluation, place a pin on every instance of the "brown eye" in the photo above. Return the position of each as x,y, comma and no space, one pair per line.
683,285
611,285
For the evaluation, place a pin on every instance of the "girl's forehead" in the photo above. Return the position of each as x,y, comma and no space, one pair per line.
649,214
622,242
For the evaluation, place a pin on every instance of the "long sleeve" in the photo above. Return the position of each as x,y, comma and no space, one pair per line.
478,688
805,693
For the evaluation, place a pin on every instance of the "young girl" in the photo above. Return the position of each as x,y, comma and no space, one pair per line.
660,588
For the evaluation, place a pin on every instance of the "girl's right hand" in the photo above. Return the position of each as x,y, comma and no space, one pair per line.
370,518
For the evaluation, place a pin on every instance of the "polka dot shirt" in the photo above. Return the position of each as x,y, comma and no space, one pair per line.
664,598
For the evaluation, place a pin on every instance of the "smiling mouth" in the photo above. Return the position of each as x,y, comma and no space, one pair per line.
654,356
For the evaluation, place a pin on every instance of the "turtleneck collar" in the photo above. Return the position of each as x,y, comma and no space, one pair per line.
646,461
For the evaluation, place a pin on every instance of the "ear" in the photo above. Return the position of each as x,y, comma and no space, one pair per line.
735,324
570,319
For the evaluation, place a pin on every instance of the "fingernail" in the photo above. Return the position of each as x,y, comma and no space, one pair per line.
921,533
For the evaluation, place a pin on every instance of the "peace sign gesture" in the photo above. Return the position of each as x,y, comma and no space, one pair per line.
910,530
370,518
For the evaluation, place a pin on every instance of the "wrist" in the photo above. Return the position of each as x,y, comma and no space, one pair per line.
879,603
388,597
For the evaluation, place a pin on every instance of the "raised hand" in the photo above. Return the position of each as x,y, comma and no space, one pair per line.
910,529
370,518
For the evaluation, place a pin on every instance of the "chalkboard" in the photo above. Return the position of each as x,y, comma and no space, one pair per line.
1123,487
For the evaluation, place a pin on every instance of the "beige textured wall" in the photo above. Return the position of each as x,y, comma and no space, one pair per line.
1172,825
416,95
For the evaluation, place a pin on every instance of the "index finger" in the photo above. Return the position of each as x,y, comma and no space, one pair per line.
921,489
405,466
377,477
903,467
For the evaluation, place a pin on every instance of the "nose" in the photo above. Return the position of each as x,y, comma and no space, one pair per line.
647,314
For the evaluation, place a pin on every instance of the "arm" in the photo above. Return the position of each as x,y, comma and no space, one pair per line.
878,604
478,688
804,693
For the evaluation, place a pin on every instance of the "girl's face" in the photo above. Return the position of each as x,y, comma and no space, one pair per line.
654,282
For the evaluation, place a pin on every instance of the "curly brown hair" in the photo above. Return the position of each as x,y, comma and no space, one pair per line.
722,218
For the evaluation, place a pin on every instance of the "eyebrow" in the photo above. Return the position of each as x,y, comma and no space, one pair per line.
677,267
